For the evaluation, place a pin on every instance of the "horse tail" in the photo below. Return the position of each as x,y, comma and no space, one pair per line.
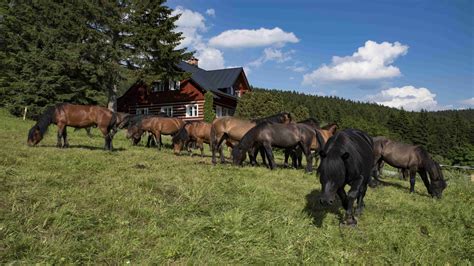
47,118
182,134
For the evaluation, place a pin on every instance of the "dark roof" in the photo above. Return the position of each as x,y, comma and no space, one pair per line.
212,79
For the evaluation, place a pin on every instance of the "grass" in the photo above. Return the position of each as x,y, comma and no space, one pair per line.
138,205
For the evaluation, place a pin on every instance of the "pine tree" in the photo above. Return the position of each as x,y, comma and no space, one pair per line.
209,113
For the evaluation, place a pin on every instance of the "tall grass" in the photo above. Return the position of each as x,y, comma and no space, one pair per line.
138,205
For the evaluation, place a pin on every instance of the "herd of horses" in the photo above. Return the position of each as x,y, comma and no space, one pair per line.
347,157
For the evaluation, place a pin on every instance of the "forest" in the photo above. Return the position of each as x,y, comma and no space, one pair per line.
448,135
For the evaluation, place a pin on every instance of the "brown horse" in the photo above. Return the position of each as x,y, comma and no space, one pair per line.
155,125
232,129
326,132
412,158
198,132
78,116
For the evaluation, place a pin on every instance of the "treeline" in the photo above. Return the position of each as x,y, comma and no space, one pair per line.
83,51
448,135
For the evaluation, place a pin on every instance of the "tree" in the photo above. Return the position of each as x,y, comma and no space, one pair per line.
55,51
209,113
300,113
259,104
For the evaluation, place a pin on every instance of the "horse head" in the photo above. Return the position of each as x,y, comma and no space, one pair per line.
179,139
238,155
34,136
438,184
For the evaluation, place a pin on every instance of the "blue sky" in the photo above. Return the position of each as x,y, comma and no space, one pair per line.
410,54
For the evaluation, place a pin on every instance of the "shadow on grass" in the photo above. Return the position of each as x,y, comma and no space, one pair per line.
397,186
80,146
317,211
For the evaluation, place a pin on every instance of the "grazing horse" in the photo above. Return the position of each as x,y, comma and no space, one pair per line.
326,132
232,129
198,132
346,159
269,134
412,158
156,126
78,116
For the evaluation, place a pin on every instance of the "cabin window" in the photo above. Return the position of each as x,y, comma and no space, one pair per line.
192,110
142,111
158,86
168,110
218,111
174,85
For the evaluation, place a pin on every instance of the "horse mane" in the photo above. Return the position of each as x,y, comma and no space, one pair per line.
276,118
44,121
430,166
311,120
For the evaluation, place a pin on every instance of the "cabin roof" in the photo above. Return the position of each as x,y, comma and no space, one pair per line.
212,79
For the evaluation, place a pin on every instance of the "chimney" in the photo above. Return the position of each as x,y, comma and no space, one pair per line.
193,61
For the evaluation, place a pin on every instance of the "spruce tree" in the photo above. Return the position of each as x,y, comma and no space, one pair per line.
209,113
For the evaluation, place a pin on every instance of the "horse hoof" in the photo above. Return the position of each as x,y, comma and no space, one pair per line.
349,223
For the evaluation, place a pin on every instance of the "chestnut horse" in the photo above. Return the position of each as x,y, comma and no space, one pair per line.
197,132
232,129
412,158
78,116
155,125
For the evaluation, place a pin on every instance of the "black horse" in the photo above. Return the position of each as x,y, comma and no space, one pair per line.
268,134
346,159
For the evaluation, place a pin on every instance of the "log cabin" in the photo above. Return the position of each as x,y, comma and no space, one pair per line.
185,98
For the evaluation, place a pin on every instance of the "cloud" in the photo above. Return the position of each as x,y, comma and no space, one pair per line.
371,62
211,12
298,69
272,54
245,38
407,97
468,102
192,25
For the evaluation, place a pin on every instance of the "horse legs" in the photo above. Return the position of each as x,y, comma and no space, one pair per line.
66,143
351,197
61,128
343,196
360,199
412,179
269,154
287,155
424,177
309,157
217,146
200,144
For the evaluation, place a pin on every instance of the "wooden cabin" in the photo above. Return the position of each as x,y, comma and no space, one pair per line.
185,98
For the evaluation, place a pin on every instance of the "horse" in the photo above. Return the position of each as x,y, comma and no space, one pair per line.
156,125
197,131
413,158
232,129
326,132
74,115
269,134
346,159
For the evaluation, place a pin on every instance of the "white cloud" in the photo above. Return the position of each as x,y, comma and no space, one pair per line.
209,57
372,61
253,38
469,102
211,12
192,25
272,54
408,97
298,69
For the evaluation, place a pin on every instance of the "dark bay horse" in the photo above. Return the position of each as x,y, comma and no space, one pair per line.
155,125
268,135
326,132
198,132
232,129
413,158
78,116
346,159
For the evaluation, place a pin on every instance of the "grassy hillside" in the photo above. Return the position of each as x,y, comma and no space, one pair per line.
138,205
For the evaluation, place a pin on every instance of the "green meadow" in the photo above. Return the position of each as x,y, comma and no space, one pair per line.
138,205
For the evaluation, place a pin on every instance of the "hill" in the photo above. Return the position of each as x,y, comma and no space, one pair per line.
138,205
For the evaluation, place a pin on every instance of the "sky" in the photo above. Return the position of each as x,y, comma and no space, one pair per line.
404,54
